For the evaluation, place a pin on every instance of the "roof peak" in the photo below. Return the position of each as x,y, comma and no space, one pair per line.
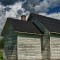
42,16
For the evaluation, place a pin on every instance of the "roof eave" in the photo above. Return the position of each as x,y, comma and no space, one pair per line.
28,33
54,33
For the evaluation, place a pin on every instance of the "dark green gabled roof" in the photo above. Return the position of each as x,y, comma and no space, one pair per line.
53,25
23,26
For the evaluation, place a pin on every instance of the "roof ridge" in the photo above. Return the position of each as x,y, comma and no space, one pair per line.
43,16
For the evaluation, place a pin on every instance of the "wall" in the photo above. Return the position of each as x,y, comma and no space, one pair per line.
46,46
46,38
55,47
29,48
10,43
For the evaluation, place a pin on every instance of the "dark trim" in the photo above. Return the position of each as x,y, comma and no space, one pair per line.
54,35
28,35
38,28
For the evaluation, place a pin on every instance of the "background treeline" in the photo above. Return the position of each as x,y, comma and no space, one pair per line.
1,48
1,43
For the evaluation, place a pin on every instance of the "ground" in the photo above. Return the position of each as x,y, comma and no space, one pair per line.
1,49
1,54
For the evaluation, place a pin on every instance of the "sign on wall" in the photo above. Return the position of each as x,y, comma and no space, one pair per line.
29,48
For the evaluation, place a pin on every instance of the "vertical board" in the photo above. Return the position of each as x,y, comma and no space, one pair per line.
29,48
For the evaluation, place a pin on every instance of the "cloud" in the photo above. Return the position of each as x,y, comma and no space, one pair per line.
55,15
52,15
40,5
9,11
14,8
2,22
14,11
28,4
7,8
8,2
45,5
54,3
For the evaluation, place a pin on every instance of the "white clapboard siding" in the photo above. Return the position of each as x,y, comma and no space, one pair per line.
55,47
29,48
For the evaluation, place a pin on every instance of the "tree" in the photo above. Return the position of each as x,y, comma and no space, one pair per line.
1,44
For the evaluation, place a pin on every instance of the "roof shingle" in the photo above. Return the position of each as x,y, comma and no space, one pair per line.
53,25
23,26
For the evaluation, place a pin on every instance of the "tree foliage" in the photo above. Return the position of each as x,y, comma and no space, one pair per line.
1,44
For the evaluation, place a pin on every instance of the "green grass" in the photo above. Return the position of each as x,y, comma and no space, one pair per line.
1,54
1,49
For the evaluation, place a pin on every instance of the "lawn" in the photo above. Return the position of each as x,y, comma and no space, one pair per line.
1,49
1,54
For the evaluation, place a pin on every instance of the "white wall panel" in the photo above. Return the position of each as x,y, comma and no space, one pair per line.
55,47
29,48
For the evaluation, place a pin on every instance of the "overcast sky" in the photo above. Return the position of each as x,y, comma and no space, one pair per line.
15,8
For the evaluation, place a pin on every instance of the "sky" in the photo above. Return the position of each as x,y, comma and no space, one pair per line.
16,8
